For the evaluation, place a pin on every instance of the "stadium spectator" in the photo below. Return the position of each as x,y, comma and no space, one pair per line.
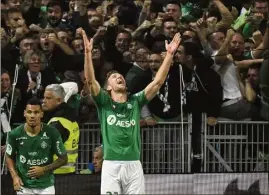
249,87
58,114
7,107
173,9
98,159
264,87
129,36
6,95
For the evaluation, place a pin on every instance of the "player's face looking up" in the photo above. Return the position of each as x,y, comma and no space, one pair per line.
50,101
116,82
33,115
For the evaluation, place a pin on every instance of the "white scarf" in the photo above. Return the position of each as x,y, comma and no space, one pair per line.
38,82
191,86
4,120
164,97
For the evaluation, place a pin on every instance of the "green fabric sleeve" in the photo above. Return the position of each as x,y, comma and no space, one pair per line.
248,30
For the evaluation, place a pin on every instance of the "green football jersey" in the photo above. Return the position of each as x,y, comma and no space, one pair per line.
35,151
120,126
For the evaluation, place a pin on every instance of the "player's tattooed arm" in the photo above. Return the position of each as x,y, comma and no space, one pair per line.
62,160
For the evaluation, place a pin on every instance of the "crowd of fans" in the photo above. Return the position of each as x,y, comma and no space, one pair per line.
221,67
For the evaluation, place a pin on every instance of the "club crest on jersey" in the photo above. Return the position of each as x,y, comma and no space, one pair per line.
44,145
129,106
44,136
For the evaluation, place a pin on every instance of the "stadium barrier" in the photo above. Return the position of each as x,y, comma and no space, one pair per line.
162,148
236,146
230,146
187,184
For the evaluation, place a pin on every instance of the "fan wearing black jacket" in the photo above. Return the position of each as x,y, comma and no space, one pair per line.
202,91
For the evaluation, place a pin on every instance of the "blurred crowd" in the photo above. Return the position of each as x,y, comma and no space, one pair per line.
221,67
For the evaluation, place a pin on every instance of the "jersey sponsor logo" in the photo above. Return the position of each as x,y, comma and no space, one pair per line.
21,143
125,123
19,138
22,159
44,145
37,162
111,119
9,149
32,153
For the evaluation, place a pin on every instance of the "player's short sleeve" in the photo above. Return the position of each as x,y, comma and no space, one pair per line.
141,98
11,147
57,142
102,98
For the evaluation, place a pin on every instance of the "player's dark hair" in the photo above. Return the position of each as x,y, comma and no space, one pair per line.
107,77
34,101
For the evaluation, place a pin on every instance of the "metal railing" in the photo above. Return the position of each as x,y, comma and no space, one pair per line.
165,147
230,146
236,146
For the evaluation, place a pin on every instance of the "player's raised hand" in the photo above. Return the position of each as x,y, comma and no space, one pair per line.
172,47
36,171
17,183
87,44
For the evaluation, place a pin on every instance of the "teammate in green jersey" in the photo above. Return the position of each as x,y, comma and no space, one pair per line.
30,151
119,115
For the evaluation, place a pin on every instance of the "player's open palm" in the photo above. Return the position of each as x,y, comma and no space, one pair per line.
87,44
36,171
17,183
172,47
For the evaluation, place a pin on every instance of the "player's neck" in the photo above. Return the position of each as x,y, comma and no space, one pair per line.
32,130
119,97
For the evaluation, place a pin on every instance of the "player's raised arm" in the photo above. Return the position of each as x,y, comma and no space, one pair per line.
152,89
91,82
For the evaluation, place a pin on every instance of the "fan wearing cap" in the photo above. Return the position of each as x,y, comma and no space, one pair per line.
58,114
